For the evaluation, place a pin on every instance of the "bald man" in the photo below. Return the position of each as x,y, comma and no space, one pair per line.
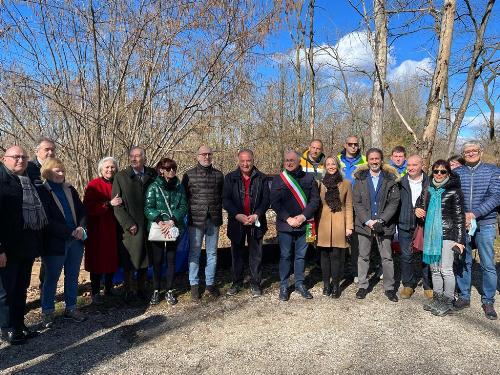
411,186
21,224
203,184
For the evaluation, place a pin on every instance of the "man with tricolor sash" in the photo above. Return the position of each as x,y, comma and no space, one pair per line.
295,199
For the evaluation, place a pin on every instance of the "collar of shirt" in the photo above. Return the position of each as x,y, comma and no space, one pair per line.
140,173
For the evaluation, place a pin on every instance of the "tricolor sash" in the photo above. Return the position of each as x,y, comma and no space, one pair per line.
301,199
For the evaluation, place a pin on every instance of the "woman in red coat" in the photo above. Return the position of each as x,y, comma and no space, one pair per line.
101,246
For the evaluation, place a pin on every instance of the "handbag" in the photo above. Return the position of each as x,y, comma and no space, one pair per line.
155,233
417,243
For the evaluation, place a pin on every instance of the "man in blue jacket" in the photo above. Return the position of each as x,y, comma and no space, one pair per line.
295,199
481,187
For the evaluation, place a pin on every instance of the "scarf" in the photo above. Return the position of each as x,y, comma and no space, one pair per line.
332,195
34,216
433,229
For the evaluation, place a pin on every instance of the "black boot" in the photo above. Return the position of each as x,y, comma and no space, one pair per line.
444,307
195,293
336,290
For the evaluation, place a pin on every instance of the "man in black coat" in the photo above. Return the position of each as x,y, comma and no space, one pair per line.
45,148
410,187
295,199
203,184
21,221
376,201
246,199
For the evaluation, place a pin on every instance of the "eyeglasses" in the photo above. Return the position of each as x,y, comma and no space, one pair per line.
168,169
440,171
472,152
353,144
17,157
205,154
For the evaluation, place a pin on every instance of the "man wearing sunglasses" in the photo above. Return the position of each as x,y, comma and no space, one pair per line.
350,157
203,184
480,184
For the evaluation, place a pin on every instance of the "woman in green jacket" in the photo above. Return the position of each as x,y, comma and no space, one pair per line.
165,205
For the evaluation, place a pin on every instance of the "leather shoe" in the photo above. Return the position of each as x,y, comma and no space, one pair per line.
284,294
14,337
361,293
29,333
303,291
391,295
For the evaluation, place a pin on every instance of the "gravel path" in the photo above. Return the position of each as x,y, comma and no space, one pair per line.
240,335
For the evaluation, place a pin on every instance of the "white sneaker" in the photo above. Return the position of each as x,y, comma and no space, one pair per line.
356,280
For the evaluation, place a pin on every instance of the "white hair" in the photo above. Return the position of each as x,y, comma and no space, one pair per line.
291,151
104,160
473,143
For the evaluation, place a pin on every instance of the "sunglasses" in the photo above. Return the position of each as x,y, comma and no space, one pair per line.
440,171
353,144
168,169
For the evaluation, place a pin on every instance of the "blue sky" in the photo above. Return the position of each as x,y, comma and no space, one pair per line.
335,20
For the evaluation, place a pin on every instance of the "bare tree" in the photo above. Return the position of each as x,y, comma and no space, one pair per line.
312,74
474,70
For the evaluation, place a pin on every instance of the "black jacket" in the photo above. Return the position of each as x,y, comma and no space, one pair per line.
57,232
15,241
33,172
204,187
285,205
407,218
232,199
452,206
388,199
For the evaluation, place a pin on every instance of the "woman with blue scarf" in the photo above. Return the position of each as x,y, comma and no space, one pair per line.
442,205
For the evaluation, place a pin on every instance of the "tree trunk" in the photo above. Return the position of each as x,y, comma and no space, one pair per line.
380,51
438,81
312,78
472,73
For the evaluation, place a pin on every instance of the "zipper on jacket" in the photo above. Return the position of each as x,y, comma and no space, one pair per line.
471,185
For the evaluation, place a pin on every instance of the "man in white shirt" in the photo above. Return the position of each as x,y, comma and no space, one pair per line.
411,186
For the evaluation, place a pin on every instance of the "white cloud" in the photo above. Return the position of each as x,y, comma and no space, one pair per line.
411,69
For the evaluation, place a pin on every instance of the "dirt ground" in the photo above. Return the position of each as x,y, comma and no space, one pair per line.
241,335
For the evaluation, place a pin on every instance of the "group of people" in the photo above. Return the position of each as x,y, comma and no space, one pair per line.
345,206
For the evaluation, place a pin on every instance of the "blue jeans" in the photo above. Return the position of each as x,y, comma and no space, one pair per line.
71,261
211,233
485,238
286,241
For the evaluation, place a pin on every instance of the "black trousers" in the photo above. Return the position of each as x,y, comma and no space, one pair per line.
332,264
254,258
95,282
15,279
158,250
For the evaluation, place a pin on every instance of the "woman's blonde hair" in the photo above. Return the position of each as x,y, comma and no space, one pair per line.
48,165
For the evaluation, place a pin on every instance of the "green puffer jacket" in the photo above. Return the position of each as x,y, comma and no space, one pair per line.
155,208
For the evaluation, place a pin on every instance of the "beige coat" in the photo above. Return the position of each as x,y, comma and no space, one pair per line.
332,225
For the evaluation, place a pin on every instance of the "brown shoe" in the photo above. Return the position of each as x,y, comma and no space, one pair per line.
406,293
428,293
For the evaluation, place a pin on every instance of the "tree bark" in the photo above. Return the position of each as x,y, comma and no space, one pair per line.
438,81
380,52
312,77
